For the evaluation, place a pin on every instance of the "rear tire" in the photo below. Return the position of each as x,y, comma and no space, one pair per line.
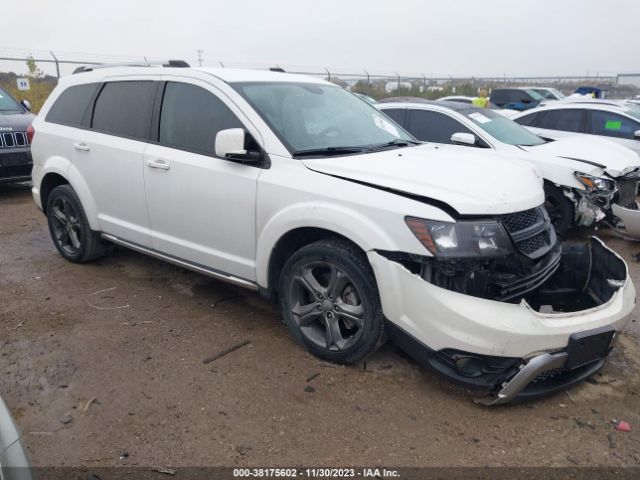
559,208
69,228
330,302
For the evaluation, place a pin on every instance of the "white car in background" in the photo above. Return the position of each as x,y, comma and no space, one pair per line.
617,120
586,179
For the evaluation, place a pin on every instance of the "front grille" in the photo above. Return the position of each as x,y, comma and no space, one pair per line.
521,220
14,140
533,244
549,374
531,231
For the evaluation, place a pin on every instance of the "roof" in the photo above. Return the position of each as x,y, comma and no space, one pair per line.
442,104
229,75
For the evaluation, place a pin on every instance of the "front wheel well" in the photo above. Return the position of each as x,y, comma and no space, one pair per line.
289,243
49,182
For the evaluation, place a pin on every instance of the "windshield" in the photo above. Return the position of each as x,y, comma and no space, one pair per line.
501,128
632,110
549,93
7,103
535,95
310,117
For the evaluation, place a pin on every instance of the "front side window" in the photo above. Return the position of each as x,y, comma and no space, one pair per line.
191,117
612,125
310,117
71,105
501,128
565,119
433,126
124,109
8,104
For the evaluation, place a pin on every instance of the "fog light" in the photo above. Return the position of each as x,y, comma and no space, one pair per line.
470,366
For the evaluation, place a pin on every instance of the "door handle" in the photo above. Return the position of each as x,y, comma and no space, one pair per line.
161,164
83,147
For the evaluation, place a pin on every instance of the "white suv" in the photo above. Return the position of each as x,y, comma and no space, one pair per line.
293,187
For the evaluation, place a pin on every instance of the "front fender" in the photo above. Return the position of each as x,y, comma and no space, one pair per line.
339,219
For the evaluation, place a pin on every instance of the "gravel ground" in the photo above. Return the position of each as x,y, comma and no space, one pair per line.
104,365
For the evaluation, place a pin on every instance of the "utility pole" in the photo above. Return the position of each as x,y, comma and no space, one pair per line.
200,52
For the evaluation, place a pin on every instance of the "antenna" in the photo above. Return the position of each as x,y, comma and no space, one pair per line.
200,52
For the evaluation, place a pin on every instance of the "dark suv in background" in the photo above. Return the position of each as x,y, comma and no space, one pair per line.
515,98
15,133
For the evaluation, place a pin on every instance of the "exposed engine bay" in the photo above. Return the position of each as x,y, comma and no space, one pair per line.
570,278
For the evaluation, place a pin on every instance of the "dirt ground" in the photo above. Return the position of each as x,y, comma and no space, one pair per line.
127,365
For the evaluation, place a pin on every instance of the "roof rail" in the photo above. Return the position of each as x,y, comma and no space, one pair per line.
157,63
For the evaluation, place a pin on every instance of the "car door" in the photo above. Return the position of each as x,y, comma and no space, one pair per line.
108,155
435,127
614,126
563,122
201,207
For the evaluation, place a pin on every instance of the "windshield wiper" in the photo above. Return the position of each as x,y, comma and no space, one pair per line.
329,151
395,143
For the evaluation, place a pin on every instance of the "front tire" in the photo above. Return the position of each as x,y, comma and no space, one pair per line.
559,208
69,228
330,301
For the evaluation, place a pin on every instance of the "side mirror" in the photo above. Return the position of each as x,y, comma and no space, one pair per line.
230,143
26,104
526,100
463,139
636,134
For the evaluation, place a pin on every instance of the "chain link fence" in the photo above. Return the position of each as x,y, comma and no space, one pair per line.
44,67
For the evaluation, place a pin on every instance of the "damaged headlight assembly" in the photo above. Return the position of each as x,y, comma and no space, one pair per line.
463,239
596,185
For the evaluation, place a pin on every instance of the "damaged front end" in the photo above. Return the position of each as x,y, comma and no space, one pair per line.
611,198
546,279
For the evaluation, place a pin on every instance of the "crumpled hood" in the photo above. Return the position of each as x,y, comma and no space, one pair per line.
16,122
613,156
471,181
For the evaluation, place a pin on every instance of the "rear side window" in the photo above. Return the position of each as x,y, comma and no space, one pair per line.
612,125
71,105
566,120
528,120
191,117
499,96
124,109
398,115
433,126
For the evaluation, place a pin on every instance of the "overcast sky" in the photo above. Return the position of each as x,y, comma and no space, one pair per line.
461,37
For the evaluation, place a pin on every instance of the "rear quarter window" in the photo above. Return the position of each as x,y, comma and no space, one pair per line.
71,105
398,115
124,109
528,120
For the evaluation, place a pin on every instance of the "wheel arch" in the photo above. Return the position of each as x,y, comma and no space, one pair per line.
55,176
292,229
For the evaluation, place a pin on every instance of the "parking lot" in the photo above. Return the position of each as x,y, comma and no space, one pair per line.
118,363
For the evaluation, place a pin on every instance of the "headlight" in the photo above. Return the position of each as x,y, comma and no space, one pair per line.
595,183
461,239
